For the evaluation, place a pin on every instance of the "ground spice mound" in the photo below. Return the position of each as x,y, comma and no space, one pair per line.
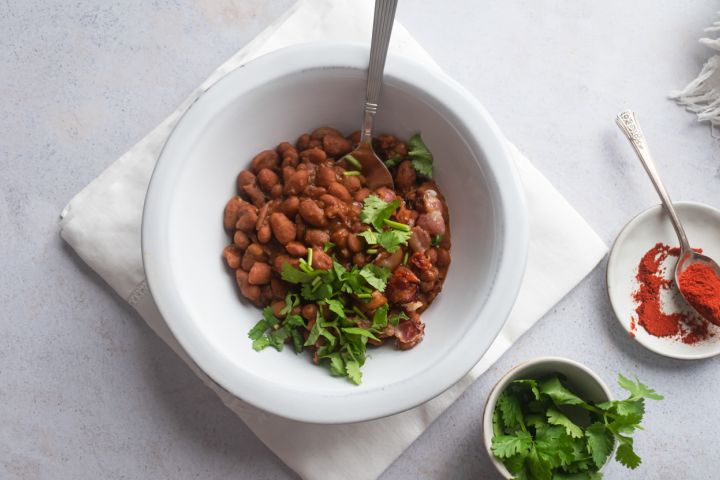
701,287
651,280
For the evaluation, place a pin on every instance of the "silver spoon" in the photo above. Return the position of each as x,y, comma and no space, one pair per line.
373,168
627,121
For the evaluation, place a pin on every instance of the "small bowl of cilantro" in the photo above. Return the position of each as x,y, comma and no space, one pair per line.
552,418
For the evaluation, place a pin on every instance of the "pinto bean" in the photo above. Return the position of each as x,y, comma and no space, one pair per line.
241,240
303,142
297,182
336,146
232,211
314,155
405,176
320,133
359,259
389,260
328,200
254,194
314,191
281,260
288,153
232,256
247,218
443,257
338,189
309,311
339,237
290,206
419,240
312,213
279,287
264,159
264,235
325,175
385,194
361,194
277,307
429,275
354,244
321,260
245,177
282,227
251,292
432,255
376,301
287,172
276,191
254,253
296,249
259,274
316,237
352,183
267,179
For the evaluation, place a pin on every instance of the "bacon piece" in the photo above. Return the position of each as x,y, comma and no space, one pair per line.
409,332
402,286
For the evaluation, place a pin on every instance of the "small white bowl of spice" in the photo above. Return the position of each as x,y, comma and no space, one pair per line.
553,416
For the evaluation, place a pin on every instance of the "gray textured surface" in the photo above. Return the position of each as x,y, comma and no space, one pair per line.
87,391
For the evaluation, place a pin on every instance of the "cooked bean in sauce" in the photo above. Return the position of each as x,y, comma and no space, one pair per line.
334,264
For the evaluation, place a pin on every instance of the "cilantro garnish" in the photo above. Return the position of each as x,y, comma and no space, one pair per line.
393,161
341,341
536,435
377,213
421,157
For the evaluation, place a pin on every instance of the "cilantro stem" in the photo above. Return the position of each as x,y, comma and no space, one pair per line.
363,295
352,161
351,173
405,259
372,250
397,225
309,257
359,312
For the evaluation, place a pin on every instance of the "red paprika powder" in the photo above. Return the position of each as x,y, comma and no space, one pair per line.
701,287
652,282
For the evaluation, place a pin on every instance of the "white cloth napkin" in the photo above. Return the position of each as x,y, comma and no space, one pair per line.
102,224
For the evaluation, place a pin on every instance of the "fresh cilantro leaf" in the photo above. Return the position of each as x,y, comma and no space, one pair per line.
293,275
599,442
337,365
294,321
375,276
393,161
328,246
535,420
436,240
380,317
557,418
328,336
395,319
531,384
497,423
260,343
297,340
625,424
626,455
638,390
391,240
336,307
422,159
375,211
258,330
630,407
554,446
314,332
278,337
291,301
270,317
505,446
370,237
352,368
539,469
511,411
360,331
559,394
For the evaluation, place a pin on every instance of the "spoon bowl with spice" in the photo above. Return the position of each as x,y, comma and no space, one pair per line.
696,275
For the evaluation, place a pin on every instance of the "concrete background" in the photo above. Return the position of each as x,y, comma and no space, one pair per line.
86,389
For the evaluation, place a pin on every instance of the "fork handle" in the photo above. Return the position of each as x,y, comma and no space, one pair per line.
382,29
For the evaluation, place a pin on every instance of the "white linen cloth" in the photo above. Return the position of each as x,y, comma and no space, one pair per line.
102,224
702,95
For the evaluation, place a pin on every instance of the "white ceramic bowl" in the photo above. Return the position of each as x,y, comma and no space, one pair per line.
275,98
580,378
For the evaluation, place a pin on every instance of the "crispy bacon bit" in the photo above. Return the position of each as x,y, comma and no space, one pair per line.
402,286
409,332
420,261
